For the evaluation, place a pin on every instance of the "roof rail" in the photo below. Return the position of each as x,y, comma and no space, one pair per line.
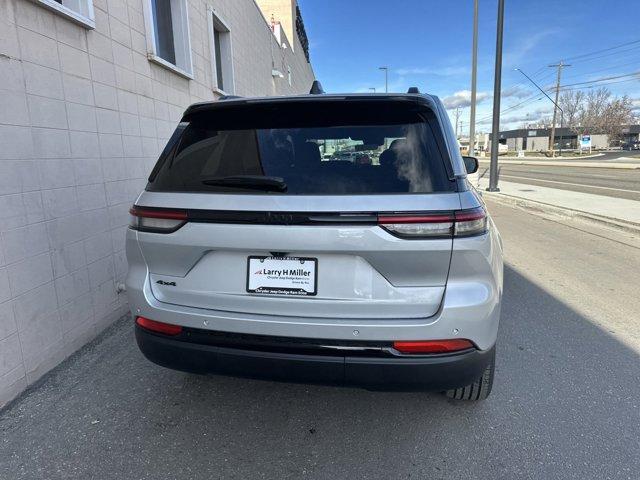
413,90
316,88
228,97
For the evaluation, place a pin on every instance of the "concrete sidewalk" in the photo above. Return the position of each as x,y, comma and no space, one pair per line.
615,212
628,164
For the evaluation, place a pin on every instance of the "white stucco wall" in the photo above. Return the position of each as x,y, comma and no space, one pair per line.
83,116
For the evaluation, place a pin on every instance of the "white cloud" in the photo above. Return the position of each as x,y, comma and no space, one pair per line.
515,120
528,118
515,92
462,99
522,48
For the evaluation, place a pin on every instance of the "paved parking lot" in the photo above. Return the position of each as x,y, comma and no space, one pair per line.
566,403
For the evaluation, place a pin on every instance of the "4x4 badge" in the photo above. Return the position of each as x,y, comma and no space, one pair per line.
169,284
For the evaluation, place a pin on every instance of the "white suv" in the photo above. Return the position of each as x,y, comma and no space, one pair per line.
249,255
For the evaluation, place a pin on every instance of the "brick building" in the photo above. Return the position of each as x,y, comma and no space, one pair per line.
90,90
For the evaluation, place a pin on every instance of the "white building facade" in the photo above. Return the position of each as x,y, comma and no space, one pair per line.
90,91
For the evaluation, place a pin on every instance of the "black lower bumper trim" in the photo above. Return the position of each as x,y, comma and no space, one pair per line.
440,372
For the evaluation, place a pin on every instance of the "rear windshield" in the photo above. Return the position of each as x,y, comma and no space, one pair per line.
289,151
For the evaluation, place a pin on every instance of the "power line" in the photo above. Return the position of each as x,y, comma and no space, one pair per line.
513,107
632,74
533,98
632,50
488,118
575,57
585,57
537,72
612,67
598,85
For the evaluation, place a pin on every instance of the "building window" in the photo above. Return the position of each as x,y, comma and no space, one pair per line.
302,34
168,35
221,54
78,11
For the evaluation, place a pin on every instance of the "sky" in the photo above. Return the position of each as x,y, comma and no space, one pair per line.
427,43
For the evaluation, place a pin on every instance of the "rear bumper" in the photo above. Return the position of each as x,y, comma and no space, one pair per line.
469,309
438,372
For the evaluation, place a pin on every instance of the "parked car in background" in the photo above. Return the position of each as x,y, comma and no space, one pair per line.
362,159
344,157
251,256
631,146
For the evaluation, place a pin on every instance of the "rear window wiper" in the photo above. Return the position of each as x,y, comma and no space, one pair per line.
254,182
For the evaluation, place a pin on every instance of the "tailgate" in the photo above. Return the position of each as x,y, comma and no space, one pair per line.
363,271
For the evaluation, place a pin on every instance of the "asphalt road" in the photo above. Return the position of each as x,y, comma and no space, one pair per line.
611,182
566,403
624,156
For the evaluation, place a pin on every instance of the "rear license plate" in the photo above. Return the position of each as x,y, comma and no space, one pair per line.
282,275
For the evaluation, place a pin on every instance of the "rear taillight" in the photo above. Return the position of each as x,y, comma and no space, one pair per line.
158,327
470,222
433,346
156,220
461,223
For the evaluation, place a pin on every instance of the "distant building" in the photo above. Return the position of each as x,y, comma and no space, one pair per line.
482,140
90,91
537,139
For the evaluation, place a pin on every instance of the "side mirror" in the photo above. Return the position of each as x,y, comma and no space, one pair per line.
471,164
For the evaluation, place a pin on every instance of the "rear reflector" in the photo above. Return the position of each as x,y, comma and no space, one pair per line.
461,223
156,220
433,346
158,327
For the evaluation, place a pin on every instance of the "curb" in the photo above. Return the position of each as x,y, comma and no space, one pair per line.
542,157
541,207
624,166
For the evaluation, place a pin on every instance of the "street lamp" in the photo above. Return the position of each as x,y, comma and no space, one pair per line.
556,105
474,75
386,78
373,89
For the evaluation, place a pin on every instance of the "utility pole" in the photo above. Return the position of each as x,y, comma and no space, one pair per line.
497,88
559,66
457,118
555,104
386,78
474,74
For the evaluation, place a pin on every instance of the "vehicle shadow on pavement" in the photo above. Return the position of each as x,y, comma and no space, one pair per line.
565,405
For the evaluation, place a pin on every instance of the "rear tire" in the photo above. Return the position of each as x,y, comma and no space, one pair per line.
478,390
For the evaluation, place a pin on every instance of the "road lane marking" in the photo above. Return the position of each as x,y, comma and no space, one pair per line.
545,172
574,184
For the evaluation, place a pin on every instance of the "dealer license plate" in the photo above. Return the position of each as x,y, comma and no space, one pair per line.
282,275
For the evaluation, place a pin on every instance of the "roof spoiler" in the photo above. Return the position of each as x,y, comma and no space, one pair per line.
316,88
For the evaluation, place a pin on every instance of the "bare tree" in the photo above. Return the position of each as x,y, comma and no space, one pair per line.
545,121
592,118
596,111
572,103
616,114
